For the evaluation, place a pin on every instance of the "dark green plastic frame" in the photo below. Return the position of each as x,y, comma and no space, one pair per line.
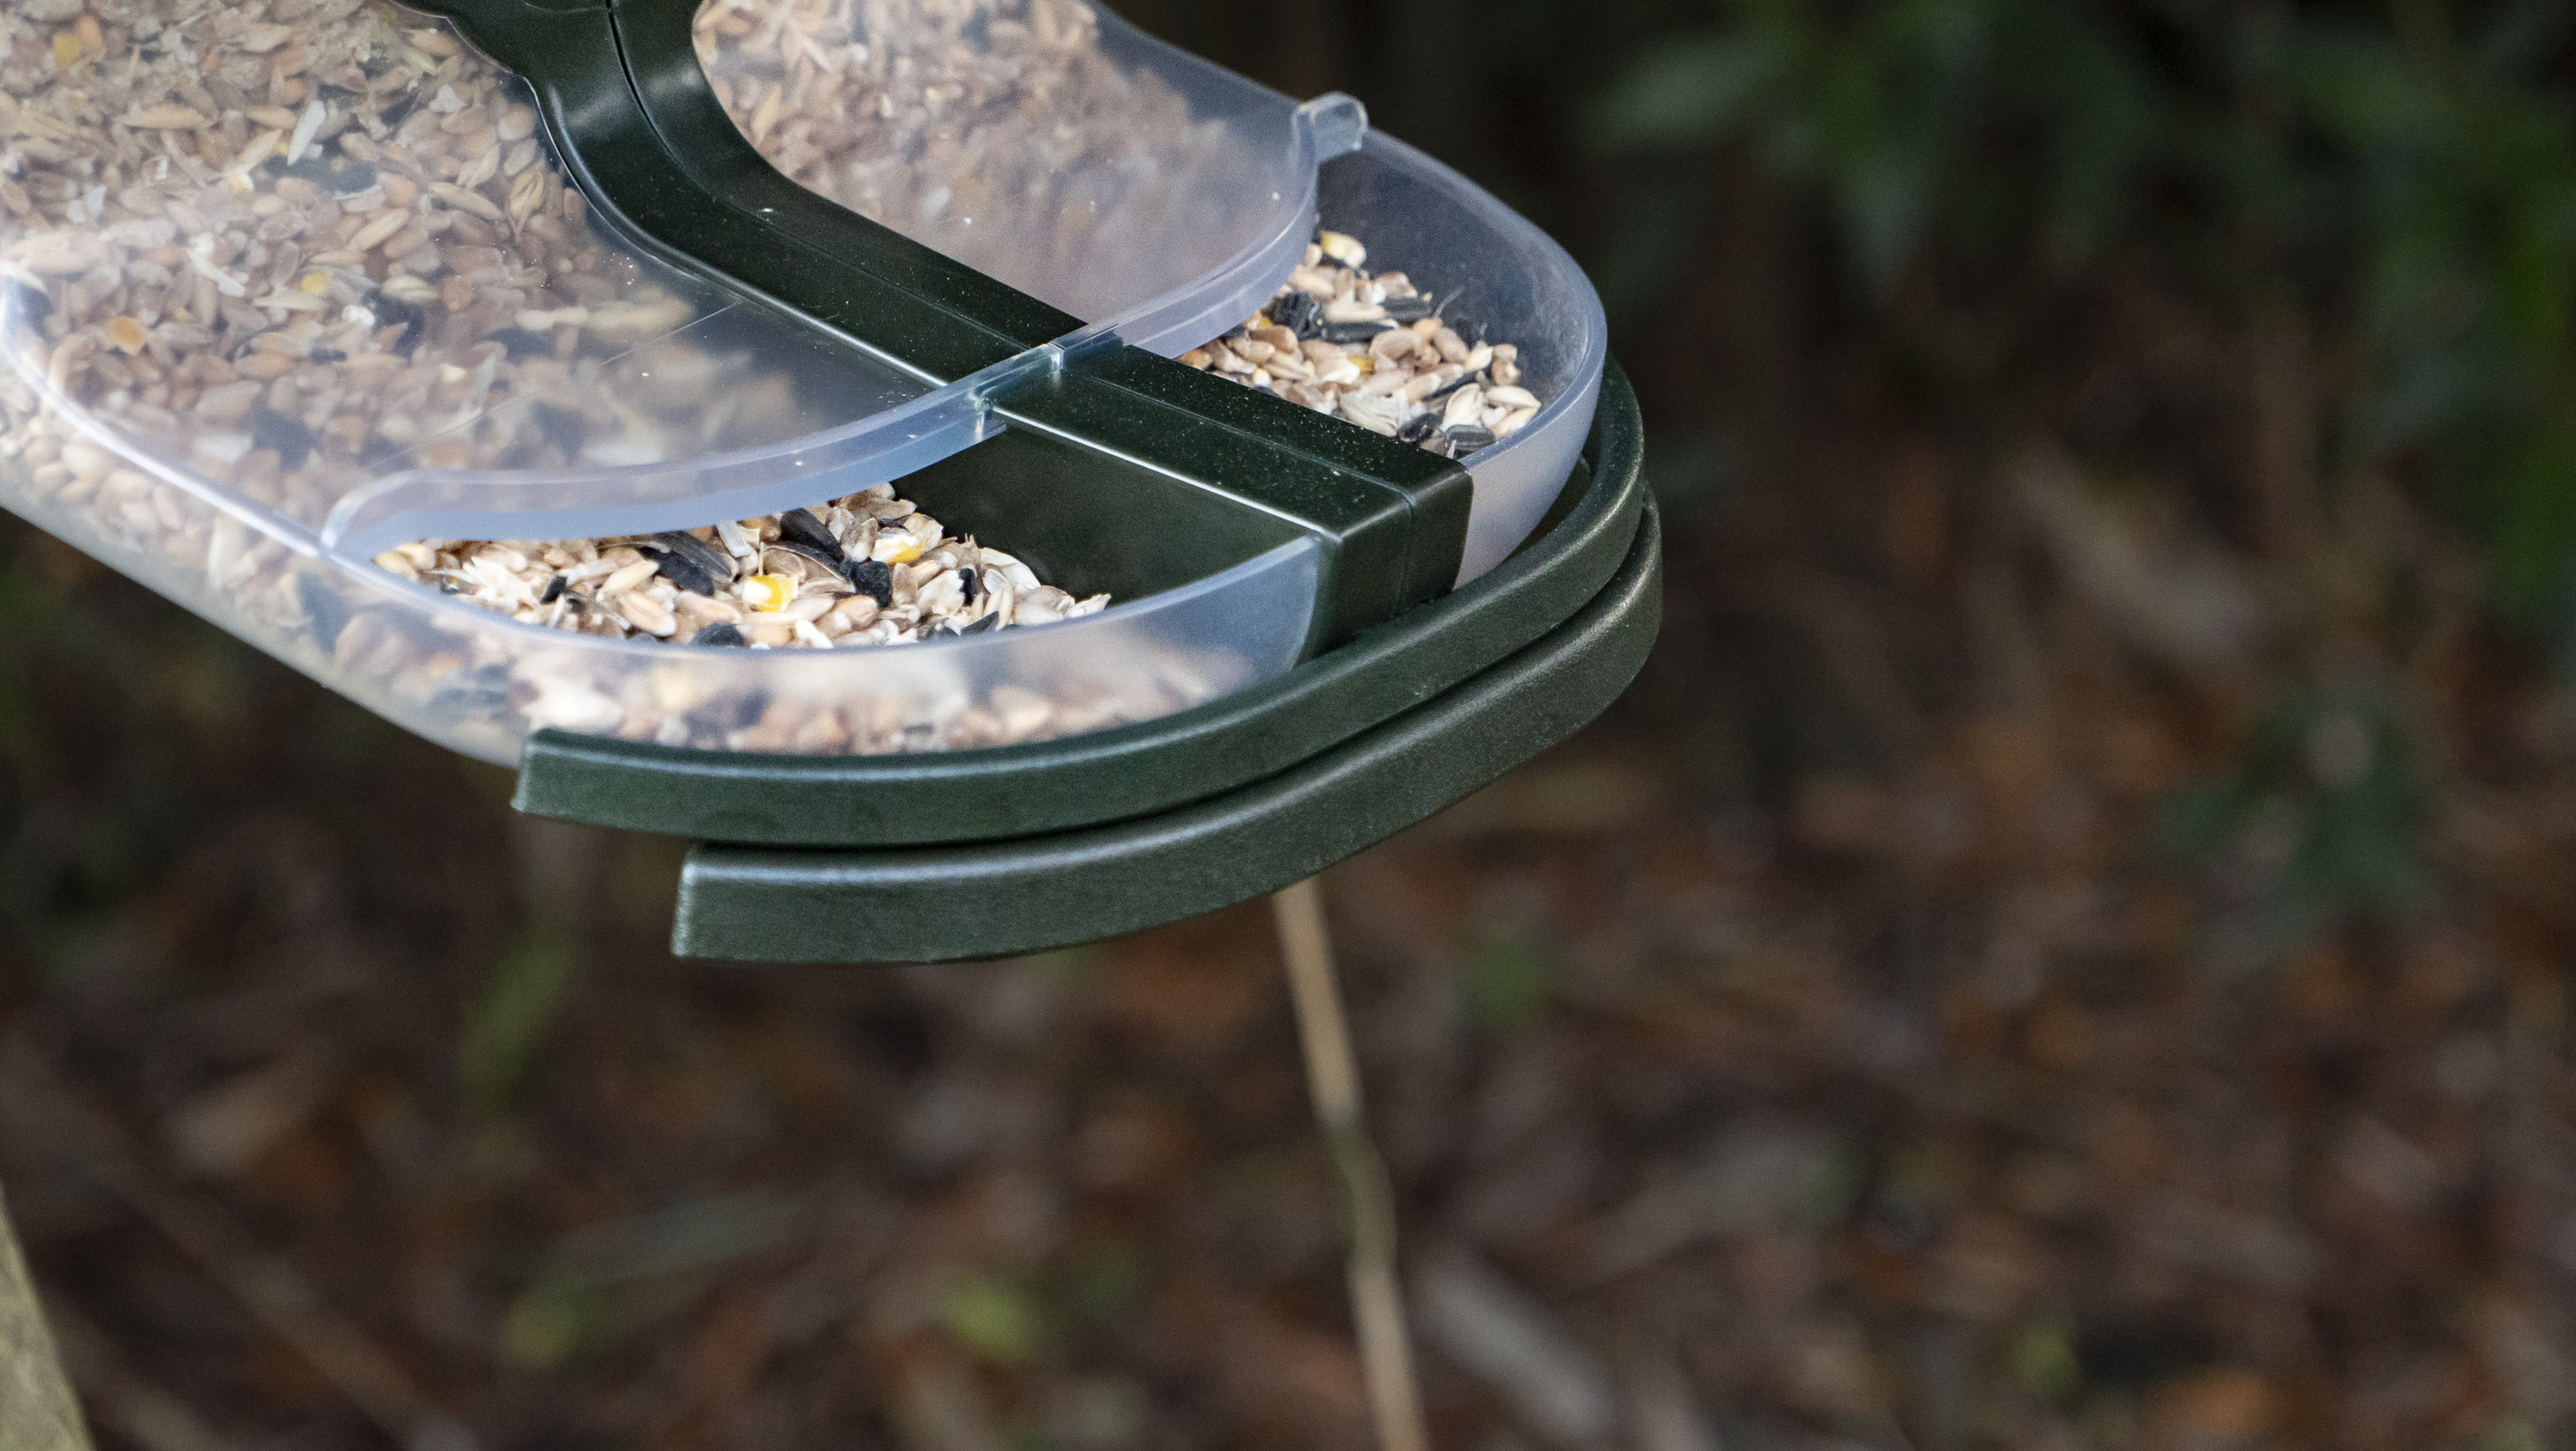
643,136
984,853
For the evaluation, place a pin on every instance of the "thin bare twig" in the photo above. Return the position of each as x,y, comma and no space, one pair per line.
1333,1078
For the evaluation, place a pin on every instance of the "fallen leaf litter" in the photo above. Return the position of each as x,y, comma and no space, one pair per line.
297,247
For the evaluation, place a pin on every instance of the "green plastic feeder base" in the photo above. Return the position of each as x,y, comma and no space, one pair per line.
971,854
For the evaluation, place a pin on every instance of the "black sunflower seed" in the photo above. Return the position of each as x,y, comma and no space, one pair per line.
719,633
1408,309
730,712
483,689
28,303
702,554
689,562
1467,438
1354,332
390,310
340,181
400,111
284,432
1420,429
801,526
521,343
329,355
554,590
966,580
1300,313
875,579
988,621
683,575
560,428
323,610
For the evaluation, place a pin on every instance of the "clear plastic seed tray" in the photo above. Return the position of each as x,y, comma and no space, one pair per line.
281,288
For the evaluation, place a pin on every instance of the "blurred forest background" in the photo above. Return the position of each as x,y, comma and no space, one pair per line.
2066,946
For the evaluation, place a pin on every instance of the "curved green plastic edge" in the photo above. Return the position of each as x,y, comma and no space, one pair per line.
991,900
1046,786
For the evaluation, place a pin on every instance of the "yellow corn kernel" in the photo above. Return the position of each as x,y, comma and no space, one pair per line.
1365,362
768,593
896,548
1260,322
313,282
126,333
66,50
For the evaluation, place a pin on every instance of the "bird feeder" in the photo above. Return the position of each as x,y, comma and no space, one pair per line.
294,297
